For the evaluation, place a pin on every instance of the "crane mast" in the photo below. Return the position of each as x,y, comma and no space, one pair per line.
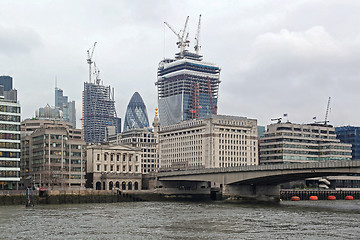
182,40
327,111
197,37
89,59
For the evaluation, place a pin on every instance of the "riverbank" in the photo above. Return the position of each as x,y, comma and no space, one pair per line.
13,197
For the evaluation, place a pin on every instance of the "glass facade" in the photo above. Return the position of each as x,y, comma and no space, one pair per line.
350,134
187,88
136,114
9,144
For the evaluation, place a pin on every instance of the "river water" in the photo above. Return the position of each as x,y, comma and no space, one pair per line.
183,220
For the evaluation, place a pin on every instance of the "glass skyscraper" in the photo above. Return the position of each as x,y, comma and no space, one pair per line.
66,106
136,114
187,88
350,134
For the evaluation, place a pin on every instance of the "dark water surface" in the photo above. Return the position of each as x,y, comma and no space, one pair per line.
183,220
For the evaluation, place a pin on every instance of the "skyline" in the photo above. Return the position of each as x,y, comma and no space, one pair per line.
291,56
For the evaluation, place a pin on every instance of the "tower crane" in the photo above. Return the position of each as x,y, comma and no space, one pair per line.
277,119
197,37
182,40
327,111
89,59
97,74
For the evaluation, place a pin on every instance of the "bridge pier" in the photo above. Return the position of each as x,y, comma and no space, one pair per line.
251,192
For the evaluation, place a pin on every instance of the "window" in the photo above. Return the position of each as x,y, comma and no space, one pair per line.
112,168
105,168
105,157
98,167
117,157
117,168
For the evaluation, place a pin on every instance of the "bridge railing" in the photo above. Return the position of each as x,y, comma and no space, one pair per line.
274,167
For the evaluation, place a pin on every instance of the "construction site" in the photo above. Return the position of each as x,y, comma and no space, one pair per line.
99,115
187,86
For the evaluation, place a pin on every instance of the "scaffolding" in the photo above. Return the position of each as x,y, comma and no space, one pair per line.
192,82
98,112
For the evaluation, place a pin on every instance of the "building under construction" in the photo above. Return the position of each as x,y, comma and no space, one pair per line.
99,114
187,86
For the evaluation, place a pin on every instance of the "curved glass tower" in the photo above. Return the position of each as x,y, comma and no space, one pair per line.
136,114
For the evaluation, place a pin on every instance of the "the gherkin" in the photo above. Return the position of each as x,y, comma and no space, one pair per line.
136,114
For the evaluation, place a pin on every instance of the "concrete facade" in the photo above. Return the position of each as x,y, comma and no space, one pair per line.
113,166
53,155
146,140
299,143
212,142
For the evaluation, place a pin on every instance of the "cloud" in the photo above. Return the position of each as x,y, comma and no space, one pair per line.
294,71
14,40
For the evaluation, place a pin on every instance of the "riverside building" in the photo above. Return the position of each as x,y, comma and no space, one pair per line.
299,143
53,155
9,140
113,166
215,141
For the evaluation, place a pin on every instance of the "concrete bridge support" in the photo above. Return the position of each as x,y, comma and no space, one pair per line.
252,192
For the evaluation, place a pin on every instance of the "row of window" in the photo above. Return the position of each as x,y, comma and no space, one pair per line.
112,168
9,173
9,109
112,156
9,118
9,154
9,145
10,136
5,163
9,127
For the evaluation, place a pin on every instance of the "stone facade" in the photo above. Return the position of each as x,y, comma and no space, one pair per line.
113,166
52,155
216,141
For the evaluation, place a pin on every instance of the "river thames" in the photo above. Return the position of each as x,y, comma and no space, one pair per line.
183,220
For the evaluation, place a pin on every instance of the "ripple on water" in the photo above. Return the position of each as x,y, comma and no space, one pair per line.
179,220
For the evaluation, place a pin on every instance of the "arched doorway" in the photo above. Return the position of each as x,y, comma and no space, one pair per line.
136,186
98,186
117,185
111,185
129,186
123,185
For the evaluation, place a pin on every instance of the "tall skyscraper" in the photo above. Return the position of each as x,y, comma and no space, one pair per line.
66,106
136,114
6,81
9,137
6,88
187,86
98,112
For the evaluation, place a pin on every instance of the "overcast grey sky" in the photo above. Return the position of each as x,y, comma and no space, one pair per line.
276,56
